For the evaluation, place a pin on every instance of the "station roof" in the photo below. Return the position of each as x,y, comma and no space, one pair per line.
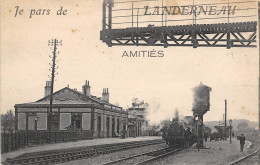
70,97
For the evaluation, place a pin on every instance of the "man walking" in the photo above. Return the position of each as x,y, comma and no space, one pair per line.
242,139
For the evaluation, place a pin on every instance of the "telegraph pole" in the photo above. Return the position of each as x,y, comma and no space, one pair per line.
259,69
225,118
53,43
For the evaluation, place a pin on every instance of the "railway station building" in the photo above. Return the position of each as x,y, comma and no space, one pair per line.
137,122
90,116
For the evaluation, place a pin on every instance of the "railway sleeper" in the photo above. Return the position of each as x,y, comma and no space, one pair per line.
54,161
83,156
62,160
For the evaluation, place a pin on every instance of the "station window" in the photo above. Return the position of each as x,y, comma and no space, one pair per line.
118,126
55,122
76,120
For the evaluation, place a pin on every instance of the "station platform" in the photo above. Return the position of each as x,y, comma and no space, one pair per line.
80,143
217,153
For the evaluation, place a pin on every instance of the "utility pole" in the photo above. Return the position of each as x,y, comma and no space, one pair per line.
259,69
53,43
225,118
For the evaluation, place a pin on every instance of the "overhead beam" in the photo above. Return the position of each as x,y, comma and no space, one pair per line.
240,34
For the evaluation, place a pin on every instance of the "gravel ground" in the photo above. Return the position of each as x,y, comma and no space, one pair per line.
116,155
255,159
134,160
220,153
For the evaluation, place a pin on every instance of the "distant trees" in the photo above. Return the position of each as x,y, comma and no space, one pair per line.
8,121
165,123
243,126
207,130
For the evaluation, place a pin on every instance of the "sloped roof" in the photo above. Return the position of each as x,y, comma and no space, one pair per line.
59,102
85,99
94,98
61,90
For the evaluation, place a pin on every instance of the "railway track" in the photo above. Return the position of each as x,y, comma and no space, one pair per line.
66,155
244,158
145,157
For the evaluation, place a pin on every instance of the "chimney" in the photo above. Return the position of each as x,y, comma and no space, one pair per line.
86,89
47,90
105,95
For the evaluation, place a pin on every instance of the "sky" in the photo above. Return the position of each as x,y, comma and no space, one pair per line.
165,83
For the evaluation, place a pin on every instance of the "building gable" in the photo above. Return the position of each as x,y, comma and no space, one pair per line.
70,94
67,94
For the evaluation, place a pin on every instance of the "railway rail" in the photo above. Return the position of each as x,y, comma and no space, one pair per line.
244,158
66,155
146,157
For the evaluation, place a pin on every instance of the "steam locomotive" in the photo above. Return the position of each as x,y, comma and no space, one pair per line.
177,137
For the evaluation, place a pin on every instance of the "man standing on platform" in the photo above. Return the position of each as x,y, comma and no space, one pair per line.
242,139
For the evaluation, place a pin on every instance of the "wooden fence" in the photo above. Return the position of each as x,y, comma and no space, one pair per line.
13,141
16,140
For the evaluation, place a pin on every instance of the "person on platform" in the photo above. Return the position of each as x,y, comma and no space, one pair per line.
242,140
206,137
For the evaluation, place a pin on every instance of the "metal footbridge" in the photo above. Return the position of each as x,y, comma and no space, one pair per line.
240,32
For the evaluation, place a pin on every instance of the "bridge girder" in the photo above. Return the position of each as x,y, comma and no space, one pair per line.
242,34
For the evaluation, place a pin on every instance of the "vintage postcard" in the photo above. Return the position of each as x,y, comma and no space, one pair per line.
130,82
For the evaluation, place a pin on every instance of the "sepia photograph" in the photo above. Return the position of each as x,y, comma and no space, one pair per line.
130,82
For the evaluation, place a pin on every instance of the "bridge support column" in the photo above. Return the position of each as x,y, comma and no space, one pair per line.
110,5
229,43
194,37
104,15
107,4
164,39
